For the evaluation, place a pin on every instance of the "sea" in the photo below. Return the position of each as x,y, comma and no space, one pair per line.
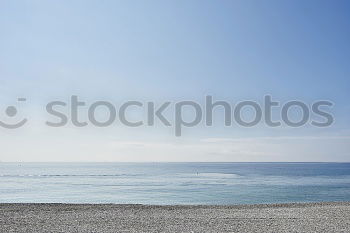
174,183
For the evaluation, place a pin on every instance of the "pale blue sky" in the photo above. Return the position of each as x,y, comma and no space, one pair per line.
175,50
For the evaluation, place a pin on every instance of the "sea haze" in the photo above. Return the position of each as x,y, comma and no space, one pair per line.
174,183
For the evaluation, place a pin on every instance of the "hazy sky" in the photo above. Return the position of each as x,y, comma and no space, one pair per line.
174,50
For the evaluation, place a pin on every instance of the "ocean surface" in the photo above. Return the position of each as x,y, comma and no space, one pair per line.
174,183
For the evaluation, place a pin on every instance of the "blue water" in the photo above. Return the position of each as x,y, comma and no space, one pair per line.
174,183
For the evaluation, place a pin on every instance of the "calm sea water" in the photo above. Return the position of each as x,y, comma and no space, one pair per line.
174,183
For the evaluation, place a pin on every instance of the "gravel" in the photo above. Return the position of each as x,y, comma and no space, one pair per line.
313,217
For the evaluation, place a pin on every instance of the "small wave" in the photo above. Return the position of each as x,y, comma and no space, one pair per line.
71,175
221,175
211,175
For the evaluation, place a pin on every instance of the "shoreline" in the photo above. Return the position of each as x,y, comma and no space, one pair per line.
258,205
285,217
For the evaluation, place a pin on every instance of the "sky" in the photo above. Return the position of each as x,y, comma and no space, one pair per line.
173,51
